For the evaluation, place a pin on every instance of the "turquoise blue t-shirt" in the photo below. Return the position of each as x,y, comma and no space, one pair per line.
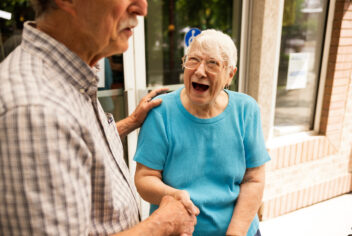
206,157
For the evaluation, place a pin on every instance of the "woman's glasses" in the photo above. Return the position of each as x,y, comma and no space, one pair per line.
211,65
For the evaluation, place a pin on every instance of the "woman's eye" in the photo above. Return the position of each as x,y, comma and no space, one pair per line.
193,59
213,62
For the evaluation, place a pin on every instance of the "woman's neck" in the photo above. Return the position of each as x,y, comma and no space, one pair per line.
205,111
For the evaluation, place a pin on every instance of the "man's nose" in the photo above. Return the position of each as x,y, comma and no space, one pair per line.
139,7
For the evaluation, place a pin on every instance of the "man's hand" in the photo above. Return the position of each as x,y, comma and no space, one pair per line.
145,105
173,213
184,198
136,119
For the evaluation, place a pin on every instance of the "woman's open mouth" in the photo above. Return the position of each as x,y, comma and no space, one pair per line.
200,87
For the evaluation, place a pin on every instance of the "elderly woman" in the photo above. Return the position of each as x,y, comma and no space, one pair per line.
204,144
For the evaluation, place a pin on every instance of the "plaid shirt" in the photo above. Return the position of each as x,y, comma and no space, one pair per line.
61,160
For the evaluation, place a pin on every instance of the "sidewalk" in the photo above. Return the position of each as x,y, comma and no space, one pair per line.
329,218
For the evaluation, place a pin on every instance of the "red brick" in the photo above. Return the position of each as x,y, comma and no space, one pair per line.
339,15
344,32
347,15
341,82
310,147
344,49
345,41
333,127
305,152
323,124
298,153
321,148
335,120
337,98
337,105
340,90
346,24
293,154
286,156
337,112
281,157
343,66
344,58
342,73
340,6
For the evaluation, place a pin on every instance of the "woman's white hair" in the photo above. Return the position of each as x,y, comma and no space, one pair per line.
218,41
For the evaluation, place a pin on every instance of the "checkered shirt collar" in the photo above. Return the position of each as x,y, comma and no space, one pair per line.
74,69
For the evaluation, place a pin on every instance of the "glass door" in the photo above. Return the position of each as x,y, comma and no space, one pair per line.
166,25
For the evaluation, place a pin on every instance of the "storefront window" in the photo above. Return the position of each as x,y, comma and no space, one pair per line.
303,31
13,13
111,86
166,25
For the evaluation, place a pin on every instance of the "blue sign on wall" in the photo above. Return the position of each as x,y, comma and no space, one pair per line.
193,32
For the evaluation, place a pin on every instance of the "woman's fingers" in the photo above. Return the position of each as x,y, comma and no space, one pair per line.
184,197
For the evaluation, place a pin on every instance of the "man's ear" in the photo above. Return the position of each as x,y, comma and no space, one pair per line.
67,6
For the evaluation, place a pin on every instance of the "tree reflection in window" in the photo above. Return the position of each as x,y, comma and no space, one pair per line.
169,20
11,29
302,37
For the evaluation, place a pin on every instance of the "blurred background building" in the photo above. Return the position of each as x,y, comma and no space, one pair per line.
295,59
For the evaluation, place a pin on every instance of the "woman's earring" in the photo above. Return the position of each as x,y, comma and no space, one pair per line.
227,86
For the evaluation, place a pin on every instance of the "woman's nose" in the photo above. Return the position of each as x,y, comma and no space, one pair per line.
200,71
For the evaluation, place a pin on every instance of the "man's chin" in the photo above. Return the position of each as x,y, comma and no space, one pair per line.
118,47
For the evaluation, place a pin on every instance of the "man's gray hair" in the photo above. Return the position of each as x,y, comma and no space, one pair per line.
42,6
215,39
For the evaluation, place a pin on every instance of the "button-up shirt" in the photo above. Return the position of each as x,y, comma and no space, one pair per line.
61,160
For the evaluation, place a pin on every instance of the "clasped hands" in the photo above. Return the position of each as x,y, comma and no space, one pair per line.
182,212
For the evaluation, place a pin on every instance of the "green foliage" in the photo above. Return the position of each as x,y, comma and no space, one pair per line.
10,5
20,10
170,20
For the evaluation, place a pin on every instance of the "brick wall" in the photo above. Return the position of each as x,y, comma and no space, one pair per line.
317,168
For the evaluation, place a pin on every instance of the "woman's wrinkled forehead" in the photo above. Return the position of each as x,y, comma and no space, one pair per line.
205,49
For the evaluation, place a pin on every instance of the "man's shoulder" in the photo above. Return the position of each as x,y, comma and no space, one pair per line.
17,79
24,83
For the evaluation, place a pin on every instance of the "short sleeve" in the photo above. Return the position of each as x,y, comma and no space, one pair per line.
254,144
152,147
44,171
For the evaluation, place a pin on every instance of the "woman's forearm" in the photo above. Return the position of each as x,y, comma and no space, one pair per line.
152,189
150,185
248,202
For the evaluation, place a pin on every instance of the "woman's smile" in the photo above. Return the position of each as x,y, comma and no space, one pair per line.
200,87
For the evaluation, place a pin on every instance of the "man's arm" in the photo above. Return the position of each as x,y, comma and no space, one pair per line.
44,173
248,202
171,218
136,119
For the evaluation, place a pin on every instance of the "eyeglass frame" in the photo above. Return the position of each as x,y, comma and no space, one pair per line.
184,58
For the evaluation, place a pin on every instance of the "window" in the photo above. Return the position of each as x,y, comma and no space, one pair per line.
12,16
303,30
165,28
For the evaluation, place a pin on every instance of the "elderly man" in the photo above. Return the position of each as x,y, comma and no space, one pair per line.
61,165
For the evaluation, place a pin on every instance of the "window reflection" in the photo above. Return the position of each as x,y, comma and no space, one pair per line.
166,25
11,29
110,91
300,60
